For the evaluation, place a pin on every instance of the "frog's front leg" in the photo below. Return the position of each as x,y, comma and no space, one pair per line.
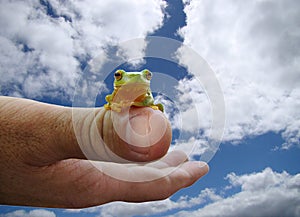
117,107
108,99
149,101
111,105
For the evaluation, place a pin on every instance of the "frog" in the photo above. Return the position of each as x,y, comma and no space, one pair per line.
131,89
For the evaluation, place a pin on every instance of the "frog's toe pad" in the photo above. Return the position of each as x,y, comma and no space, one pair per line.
154,107
160,107
107,107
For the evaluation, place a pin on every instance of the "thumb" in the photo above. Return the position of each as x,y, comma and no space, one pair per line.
138,134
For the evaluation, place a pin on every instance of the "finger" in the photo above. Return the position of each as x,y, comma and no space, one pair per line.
84,185
172,159
162,188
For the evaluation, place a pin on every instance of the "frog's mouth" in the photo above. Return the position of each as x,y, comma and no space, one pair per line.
135,92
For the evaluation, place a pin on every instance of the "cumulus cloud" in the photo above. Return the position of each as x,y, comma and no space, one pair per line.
193,147
32,213
192,95
266,193
44,43
192,110
253,47
199,112
151,208
259,194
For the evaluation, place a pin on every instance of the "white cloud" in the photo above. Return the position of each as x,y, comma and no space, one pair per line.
265,193
253,47
192,146
258,181
191,111
260,194
151,208
100,22
195,105
41,52
32,213
49,65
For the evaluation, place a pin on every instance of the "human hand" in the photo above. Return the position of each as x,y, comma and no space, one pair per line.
42,163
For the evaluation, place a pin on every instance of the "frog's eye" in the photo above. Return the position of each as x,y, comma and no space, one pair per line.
118,75
148,75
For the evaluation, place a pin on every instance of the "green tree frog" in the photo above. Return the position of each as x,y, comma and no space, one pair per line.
131,89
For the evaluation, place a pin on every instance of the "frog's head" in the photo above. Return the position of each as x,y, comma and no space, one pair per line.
132,87
137,78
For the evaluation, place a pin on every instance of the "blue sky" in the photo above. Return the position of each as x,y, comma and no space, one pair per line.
253,49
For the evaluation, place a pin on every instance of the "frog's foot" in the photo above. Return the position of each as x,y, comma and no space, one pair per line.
107,106
158,106
116,107
154,107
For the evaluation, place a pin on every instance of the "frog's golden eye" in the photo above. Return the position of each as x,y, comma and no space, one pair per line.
118,75
148,74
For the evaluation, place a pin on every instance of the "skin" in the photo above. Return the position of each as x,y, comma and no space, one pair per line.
42,164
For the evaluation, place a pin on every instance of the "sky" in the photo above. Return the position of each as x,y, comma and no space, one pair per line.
240,110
